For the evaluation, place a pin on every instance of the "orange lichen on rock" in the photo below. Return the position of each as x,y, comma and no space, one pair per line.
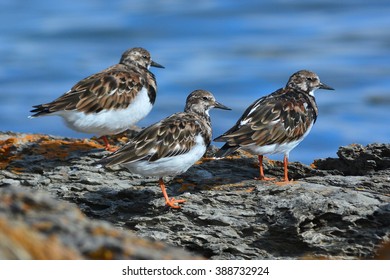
12,148
21,242
60,149
8,146
383,252
204,159
101,254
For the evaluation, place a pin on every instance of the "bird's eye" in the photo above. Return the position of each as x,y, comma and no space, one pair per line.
205,98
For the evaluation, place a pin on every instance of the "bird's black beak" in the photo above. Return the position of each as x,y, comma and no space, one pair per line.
220,106
155,64
323,86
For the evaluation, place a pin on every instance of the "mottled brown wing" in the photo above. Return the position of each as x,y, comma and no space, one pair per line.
278,118
172,136
113,88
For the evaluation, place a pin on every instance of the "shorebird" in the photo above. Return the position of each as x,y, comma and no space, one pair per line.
172,145
108,102
276,123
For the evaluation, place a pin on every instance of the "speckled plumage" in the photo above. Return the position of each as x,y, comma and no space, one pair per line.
172,145
110,101
278,122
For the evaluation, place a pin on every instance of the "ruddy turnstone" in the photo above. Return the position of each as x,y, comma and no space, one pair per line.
172,145
276,123
110,101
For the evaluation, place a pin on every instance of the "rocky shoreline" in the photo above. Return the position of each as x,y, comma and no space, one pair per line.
52,193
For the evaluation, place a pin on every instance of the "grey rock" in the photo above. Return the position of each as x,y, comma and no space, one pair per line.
34,225
335,208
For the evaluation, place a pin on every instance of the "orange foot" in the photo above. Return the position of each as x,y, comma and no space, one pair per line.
107,145
111,149
170,202
261,171
173,203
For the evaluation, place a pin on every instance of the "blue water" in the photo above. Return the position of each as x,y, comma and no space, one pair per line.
239,50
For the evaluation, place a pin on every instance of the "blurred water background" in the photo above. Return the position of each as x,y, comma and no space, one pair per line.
239,50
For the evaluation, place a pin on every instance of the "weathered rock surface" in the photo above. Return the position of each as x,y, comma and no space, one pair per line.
34,225
335,208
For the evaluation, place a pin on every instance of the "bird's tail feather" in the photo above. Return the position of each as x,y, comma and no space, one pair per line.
39,110
226,150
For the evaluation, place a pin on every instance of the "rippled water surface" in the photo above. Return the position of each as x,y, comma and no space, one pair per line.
239,50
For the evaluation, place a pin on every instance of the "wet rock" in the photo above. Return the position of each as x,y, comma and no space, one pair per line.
334,208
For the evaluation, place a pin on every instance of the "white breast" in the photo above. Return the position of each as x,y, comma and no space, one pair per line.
283,148
170,165
109,122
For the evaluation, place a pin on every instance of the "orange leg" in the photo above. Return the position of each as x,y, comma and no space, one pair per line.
170,202
285,165
107,144
285,180
262,177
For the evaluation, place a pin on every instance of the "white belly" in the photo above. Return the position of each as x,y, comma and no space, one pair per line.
171,165
109,122
283,148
